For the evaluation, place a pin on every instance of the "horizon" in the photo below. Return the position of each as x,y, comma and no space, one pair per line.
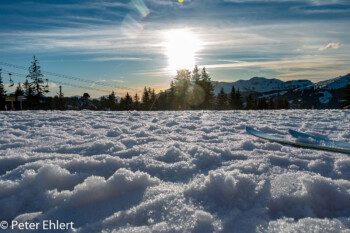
137,43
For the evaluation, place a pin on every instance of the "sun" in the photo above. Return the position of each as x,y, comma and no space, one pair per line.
181,47
180,0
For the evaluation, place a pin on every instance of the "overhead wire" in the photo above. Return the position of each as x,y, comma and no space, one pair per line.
62,83
69,77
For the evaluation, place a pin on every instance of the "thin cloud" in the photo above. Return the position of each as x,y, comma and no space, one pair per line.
118,81
330,46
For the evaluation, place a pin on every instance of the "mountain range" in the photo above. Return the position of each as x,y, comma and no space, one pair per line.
260,84
299,93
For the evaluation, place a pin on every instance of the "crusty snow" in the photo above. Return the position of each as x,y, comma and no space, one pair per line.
174,171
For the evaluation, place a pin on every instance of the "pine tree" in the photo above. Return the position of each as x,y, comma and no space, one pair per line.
112,101
232,99
171,98
208,88
271,104
221,103
137,104
37,85
146,101
19,91
195,75
2,93
262,104
238,100
346,93
182,82
250,102
152,99
126,103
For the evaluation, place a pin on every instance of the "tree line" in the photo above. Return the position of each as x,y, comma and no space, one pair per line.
190,90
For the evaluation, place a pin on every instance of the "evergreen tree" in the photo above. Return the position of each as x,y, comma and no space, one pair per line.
2,93
232,99
37,85
238,100
195,75
208,88
152,99
126,103
262,104
282,104
19,91
271,104
137,104
29,93
146,100
112,101
162,102
221,103
171,98
346,93
250,102
182,82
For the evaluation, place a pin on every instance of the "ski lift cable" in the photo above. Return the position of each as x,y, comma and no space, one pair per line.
69,77
67,84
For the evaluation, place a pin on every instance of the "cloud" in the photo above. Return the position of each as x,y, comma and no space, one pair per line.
118,81
121,59
330,46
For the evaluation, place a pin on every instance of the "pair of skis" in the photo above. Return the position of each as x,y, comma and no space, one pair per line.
305,140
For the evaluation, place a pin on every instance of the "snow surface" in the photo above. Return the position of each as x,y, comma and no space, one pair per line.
174,171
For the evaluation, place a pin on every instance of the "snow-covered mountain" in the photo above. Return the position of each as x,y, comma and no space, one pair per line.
259,84
334,83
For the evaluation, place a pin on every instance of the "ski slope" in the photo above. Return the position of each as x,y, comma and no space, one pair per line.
174,171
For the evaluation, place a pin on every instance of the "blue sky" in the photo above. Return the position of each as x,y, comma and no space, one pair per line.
126,45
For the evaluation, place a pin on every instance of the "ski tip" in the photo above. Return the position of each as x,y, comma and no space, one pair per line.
249,129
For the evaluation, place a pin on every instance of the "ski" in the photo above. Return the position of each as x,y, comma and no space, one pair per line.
320,140
272,138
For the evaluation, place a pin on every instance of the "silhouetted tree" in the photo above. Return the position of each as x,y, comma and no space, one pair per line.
112,101
195,75
137,104
126,103
271,104
239,101
182,83
19,91
262,104
282,104
146,99
346,93
250,102
208,88
37,84
2,93
221,103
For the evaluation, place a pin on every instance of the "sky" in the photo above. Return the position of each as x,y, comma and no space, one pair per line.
97,46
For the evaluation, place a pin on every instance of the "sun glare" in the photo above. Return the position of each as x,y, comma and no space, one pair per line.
181,47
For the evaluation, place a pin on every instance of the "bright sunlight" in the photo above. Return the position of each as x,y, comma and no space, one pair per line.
181,47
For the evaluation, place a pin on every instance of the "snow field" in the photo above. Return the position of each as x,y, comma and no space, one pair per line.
174,171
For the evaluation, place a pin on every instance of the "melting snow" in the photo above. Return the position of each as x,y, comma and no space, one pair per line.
173,171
